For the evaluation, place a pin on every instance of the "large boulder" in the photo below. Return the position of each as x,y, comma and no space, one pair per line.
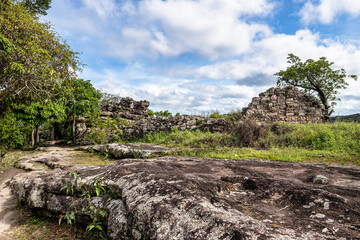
198,198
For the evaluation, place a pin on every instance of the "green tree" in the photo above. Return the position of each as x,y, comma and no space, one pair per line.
315,77
35,114
6,46
36,6
83,100
40,61
10,132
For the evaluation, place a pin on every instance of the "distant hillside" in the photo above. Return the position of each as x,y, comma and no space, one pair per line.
351,118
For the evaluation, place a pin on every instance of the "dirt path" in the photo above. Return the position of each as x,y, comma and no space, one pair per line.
43,160
8,211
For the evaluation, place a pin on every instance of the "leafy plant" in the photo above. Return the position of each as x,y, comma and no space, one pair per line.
107,154
138,152
88,189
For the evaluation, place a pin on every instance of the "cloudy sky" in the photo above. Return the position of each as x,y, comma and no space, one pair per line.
198,56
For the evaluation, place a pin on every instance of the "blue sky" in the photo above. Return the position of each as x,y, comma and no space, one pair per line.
198,56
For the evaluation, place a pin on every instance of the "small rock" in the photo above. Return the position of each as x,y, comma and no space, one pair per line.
326,205
329,221
318,201
325,230
306,206
320,179
320,215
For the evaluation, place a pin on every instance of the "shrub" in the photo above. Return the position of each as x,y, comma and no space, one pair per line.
105,131
247,133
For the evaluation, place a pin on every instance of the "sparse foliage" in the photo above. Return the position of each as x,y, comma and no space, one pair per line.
86,189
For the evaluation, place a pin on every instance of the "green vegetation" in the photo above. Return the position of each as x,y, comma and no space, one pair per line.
39,88
36,6
90,158
106,130
86,190
165,113
82,100
317,142
315,77
39,62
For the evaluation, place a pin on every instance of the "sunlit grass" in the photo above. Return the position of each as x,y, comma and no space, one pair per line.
87,158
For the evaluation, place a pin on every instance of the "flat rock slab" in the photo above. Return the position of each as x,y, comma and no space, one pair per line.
46,158
131,150
198,198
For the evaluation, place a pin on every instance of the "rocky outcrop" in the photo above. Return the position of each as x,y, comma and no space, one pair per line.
197,198
127,108
284,104
130,150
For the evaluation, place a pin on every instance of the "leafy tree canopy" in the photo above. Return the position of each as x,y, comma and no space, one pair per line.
36,6
83,98
315,77
40,62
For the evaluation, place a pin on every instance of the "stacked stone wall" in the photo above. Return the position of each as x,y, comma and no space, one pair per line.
285,105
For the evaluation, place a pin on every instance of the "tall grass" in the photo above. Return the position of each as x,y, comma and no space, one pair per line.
317,142
339,137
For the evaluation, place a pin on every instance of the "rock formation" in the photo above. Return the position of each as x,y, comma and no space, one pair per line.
197,198
127,108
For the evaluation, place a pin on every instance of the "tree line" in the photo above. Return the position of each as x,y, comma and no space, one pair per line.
39,85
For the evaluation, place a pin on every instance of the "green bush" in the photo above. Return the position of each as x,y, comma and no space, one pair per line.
247,133
10,133
105,131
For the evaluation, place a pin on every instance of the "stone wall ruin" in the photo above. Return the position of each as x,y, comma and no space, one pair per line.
276,104
285,105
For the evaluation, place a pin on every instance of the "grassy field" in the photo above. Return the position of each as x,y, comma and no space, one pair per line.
337,142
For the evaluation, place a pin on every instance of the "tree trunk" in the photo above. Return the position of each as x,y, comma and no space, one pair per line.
1,153
74,129
324,102
37,134
53,133
32,137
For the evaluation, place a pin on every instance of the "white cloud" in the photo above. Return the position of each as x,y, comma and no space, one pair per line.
269,56
184,95
103,8
209,28
238,56
326,11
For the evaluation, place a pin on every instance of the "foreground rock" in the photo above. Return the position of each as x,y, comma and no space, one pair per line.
195,198
130,150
